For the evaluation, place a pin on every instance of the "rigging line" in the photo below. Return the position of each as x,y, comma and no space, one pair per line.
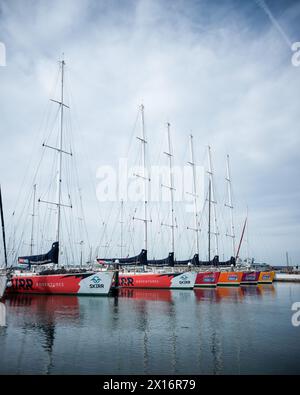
114,228
34,147
22,234
87,161
77,178
115,246
69,238
130,235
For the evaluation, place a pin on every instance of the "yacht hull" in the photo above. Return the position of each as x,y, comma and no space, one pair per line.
207,279
230,279
88,283
185,280
3,281
266,277
250,278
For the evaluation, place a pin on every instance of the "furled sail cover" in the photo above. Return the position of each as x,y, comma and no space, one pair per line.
214,262
194,261
230,262
43,259
169,261
140,259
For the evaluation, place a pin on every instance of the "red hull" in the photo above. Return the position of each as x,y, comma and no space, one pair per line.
68,283
157,280
207,279
250,277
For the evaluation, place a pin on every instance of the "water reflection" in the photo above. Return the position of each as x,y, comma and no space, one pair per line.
163,295
219,294
211,331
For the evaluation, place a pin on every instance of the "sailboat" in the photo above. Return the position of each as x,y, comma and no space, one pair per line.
3,272
30,275
147,276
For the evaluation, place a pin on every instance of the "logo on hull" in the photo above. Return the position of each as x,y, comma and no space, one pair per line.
96,282
184,280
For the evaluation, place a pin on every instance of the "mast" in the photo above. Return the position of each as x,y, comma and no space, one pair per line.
60,151
32,223
3,229
215,227
194,194
171,188
230,206
145,178
287,259
209,218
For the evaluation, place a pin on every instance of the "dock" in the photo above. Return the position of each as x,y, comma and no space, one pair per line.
287,277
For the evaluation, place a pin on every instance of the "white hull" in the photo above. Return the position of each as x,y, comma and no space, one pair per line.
287,277
3,281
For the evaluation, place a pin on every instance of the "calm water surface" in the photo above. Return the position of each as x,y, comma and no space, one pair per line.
223,331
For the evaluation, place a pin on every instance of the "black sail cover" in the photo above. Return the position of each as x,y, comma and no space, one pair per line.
140,259
169,261
230,262
193,261
43,259
214,262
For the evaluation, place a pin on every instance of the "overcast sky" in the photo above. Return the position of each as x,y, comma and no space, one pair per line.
221,70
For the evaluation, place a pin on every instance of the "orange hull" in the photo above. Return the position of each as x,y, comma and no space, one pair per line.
230,279
266,277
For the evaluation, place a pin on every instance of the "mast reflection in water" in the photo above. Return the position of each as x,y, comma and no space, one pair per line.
213,331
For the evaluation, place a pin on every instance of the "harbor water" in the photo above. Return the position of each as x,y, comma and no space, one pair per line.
245,330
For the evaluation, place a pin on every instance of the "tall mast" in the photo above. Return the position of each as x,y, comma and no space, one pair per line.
230,206
144,142
215,228
145,178
3,229
32,222
60,151
170,187
194,194
209,217
287,259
